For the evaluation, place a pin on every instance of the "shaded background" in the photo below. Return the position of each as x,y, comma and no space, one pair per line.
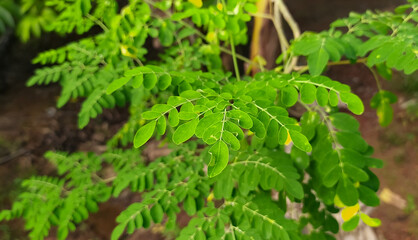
30,124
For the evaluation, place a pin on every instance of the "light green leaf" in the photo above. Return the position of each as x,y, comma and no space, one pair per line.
206,122
333,98
161,125
219,158
258,128
144,134
322,96
308,93
117,232
157,213
317,62
185,131
137,81
231,140
150,80
300,141
353,102
289,96
189,205
250,7
244,120
116,84
164,81
372,222
173,117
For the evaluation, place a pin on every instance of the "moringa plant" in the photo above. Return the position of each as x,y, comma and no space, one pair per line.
239,159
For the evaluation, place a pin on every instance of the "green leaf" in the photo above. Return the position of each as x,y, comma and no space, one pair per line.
161,125
332,176
294,188
6,17
353,102
189,205
206,122
144,134
150,80
368,196
384,71
307,45
164,81
344,122
347,192
383,96
258,128
372,222
322,96
289,96
85,6
250,7
157,213
308,93
117,231
116,84
173,117
309,121
137,81
146,217
244,120
231,140
351,224
138,71
355,173
333,98
219,158
300,141
381,101
317,62
385,114
351,140
185,131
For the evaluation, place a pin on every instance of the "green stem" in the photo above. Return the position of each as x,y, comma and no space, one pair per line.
375,76
97,21
234,57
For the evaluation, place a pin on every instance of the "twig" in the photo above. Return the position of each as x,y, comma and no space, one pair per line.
304,68
97,21
14,155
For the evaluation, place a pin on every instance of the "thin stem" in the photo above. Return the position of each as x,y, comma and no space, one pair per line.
240,57
289,19
295,30
302,69
277,21
138,61
234,57
375,76
97,21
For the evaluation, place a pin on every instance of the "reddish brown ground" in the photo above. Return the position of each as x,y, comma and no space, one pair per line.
30,125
